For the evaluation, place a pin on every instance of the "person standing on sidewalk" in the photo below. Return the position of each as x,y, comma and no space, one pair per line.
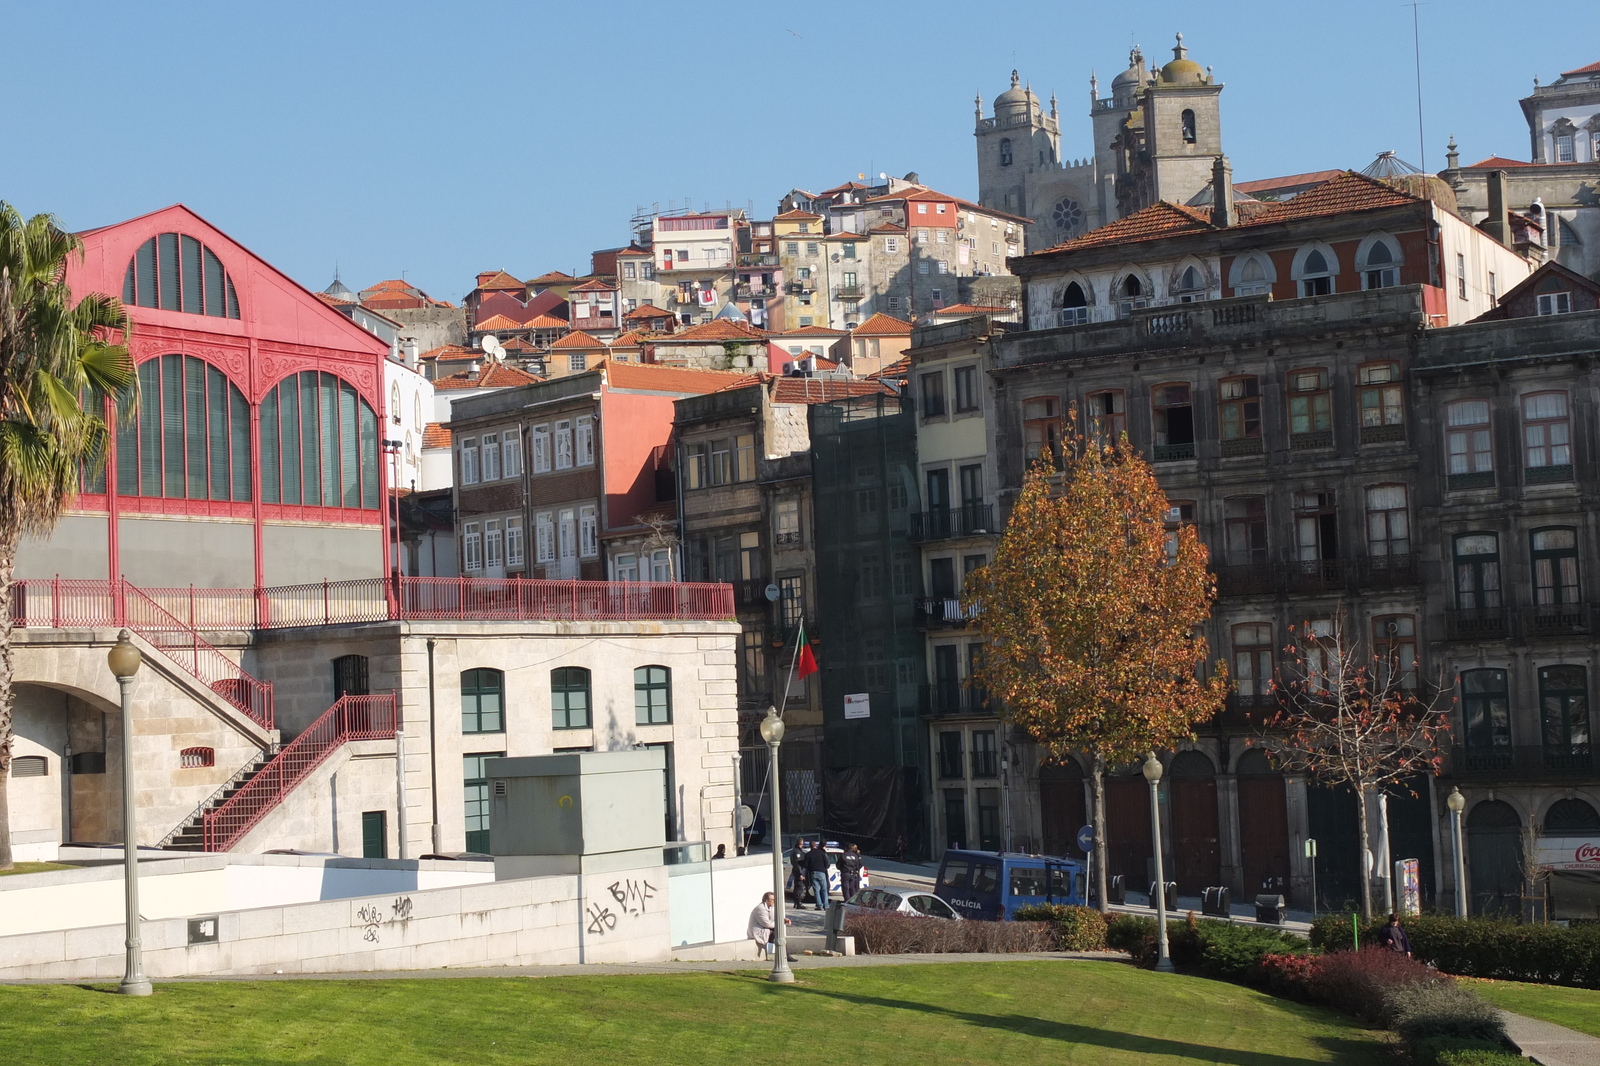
850,871
797,873
817,867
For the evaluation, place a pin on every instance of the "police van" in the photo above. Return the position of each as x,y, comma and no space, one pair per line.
993,884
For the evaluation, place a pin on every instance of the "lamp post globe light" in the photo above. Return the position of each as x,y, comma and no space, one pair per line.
124,660
1458,803
772,733
1152,774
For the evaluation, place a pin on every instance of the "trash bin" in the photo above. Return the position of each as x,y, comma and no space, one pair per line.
833,925
1269,909
1217,901
1117,890
1172,895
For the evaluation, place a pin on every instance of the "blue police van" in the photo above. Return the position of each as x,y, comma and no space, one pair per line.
991,885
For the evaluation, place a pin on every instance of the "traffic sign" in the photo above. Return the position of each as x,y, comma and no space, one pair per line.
1086,839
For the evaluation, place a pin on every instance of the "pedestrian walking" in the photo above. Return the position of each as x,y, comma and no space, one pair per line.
763,923
817,867
797,873
850,871
1393,936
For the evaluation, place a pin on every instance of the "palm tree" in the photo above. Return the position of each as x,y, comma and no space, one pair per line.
59,363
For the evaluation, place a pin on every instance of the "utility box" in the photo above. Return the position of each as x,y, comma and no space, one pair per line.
590,811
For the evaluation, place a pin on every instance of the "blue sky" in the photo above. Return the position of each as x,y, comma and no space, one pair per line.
443,139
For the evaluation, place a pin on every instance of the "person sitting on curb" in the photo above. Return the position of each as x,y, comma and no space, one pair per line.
763,923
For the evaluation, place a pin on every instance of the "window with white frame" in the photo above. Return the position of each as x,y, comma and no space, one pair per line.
541,449
1381,269
891,245
1546,434
1554,303
894,303
588,533
511,453
625,567
544,533
472,547
491,457
1467,443
1564,153
514,549
661,565
922,266
1252,279
1316,274
1461,276
577,362
469,461
585,440
493,544
566,534
944,266
563,442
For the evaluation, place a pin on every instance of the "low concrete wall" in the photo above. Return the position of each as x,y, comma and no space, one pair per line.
535,921
737,885
209,884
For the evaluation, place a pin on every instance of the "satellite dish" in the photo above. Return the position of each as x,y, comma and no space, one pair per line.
747,817
488,342
772,593
883,175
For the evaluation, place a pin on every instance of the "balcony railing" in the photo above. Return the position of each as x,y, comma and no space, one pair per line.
1522,761
1557,620
850,292
1245,578
952,697
1388,571
938,612
1316,575
1383,434
1477,623
1171,453
1242,446
1248,710
968,520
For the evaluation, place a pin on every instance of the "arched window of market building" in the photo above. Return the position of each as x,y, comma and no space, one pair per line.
189,438
319,444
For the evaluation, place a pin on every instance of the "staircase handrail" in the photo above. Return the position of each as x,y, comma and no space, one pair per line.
185,646
194,817
350,718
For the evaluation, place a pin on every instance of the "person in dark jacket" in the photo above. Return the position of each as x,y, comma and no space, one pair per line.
797,873
817,867
1393,936
850,871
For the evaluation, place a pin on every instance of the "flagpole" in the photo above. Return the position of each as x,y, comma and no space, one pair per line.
794,661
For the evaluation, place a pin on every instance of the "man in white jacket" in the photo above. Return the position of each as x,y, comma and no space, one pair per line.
762,923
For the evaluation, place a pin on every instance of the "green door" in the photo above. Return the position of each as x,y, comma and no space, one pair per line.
375,834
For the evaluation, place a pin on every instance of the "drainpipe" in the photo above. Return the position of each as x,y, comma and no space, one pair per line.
400,772
433,752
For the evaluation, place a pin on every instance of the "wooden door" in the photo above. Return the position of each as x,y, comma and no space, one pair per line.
1263,829
1128,850
1062,811
1196,855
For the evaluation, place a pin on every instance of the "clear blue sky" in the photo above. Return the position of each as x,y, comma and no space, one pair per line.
444,139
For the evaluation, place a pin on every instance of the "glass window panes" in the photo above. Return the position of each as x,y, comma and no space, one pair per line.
189,437
1477,565
569,697
483,701
1485,709
178,273
1381,398
1546,432
476,797
1240,408
1564,711
1555,566
1252,659
1467,437
1388,521
652,695
1310,402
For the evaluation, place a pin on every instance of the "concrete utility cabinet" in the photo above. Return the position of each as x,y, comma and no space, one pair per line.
585,812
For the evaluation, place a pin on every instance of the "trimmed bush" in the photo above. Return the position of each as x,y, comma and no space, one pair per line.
1358,982
1077,928
1453,1051
1502,949
1234,952
1442,1009
1287,975
1127,932
905,934
1331,932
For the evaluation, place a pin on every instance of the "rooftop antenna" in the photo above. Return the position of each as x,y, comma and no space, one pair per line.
1416,41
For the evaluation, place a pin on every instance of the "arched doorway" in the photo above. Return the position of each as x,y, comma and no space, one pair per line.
1494,848
1571,817
71,788
1062,811
1128,850
1196,856
1263,821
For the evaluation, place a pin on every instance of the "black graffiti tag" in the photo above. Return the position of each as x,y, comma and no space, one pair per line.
601,920
633,896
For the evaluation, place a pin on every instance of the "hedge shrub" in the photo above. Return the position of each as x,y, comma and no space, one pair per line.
1359,982
1431,1009
905,934
1076,928
1453,1051
1127,932
1480,947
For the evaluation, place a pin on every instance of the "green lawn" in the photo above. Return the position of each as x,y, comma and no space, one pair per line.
1575,1008
34,868
1012,1013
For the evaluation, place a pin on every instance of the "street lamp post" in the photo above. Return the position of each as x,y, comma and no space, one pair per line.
1152,774
1458,803
124,660
772,733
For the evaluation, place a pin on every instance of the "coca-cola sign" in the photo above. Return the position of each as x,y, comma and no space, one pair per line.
1587,853
1569,853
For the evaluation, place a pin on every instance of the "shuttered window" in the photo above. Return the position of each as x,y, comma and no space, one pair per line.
319,444
189,439
178,273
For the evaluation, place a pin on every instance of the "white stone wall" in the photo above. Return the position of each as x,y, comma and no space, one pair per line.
536,921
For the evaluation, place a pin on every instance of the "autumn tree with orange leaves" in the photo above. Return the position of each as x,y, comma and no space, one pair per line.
1354,718
1093,614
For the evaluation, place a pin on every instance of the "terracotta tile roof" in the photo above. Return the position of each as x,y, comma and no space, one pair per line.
648,311
898,370
791,389
577,339
434,435
886,227
848,186
630,250
635,337
882,325
452,353
844,235
332,301
795,214
972,309
717,331
647,377
922,192
517,344
1160,219
1497,162
398,301
498,322
1592,68
593,286
498,281
814,331
391,284
546,322
1288,180
1348,192
493,376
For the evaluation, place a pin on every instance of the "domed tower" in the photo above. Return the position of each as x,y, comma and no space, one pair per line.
1019,142
1109,116
1182,130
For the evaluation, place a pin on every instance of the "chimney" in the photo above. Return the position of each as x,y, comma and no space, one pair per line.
1498,222
410,348
1222,215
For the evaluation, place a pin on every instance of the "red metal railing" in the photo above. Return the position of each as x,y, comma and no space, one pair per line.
61,603
350,718
66,604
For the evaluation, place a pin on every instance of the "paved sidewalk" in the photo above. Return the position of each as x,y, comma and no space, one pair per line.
1551,1044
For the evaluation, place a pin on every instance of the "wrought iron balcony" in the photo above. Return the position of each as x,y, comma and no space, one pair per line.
1245,578
1171,453
1557,620
1521,761
1383,434
968,520
941,612
1316,575
1388,571
1251,711
1242,446
950,698
1477,623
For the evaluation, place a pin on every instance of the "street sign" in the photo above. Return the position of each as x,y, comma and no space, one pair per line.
1311,847
1086,839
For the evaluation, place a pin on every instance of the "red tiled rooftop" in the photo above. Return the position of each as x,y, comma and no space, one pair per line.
552,277
882,325
498,281
579,340
434,435
648,311
813,331
492,376
717,331
796,215
972,309
546,322
595,285
1287,181
898,370
648,377
792,389
452,353
498,322
1592,68
886,227
1498,162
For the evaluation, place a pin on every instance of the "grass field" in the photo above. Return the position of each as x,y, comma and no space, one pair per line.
1575,1008
1012,1013
34,868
